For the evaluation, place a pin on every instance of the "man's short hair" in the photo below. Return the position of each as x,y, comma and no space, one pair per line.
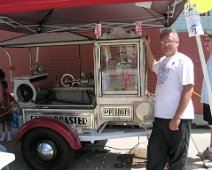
168,31
208,33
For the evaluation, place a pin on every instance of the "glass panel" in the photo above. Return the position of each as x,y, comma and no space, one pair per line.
119,69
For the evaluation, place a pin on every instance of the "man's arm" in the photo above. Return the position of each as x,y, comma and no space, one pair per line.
150,56
185,97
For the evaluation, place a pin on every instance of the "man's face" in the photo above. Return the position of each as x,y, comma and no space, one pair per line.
208,44
169,44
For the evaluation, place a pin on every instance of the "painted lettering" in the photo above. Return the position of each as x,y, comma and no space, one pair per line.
116,111
67,119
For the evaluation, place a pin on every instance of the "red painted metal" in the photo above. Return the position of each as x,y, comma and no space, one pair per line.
8,6
12,68
58,126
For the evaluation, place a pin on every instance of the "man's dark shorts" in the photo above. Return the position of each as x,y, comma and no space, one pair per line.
207,114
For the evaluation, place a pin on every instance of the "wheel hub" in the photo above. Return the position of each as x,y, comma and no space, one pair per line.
46,151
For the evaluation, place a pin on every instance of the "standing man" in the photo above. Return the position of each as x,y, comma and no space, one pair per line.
169,140
7,117
2,77
204,97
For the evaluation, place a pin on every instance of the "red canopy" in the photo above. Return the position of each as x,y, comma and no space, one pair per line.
29,5
77,16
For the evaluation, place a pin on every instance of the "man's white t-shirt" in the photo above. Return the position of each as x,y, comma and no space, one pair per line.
204,95
172,73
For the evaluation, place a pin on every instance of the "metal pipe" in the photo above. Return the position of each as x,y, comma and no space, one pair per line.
37,54
30,59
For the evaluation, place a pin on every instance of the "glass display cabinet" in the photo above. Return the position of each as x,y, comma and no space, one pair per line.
121,67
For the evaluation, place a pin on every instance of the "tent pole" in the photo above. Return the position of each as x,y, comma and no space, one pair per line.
37,54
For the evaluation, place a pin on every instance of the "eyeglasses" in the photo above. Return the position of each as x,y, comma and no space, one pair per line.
166,42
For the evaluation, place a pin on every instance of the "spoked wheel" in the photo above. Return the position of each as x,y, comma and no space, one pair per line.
67,80
44,149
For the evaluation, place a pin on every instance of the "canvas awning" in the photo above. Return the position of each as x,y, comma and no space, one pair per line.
46,39
7,6
36,16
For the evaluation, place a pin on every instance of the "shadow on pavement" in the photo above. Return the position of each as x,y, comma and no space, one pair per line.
98,156
90,156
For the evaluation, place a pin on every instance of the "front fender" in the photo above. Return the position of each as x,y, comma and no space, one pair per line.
56,125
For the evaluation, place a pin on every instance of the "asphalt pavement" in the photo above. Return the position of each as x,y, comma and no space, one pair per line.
124,153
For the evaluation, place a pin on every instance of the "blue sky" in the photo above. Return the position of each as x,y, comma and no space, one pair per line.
180,24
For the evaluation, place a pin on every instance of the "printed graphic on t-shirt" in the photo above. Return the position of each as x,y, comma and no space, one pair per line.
162,73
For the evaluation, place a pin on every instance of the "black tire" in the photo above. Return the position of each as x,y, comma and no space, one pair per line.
58,157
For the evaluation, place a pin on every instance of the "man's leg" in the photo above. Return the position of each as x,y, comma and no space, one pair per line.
157,149
207,153
211,136
9,134
3,134
180,144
